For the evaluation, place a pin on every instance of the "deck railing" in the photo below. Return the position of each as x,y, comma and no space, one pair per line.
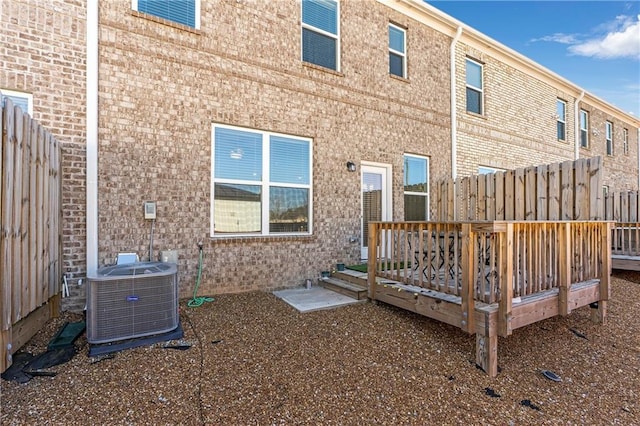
625,239
490,262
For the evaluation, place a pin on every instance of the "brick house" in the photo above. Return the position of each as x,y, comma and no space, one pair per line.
271,131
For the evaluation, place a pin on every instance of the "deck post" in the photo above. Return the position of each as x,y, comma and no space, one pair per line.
564,287
599,315
371,261
506,281
468,320
486,344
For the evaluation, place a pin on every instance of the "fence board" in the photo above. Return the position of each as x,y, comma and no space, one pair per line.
16,249
520,203
24,215
596,207
509,194
566,193
481,207
541,193
499,200
7,213
581,194
530,189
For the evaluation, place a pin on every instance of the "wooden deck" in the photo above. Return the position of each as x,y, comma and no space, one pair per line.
490,278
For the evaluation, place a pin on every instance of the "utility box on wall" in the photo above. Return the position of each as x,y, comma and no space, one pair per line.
169,256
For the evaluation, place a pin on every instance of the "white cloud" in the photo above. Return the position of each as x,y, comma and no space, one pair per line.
558,38
621,41
619,38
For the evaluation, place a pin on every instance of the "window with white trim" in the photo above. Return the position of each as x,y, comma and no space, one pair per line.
261,182
185,12
474,87
416,187
486,170
21,99
584,128
608,130
397,51
561,114
320,42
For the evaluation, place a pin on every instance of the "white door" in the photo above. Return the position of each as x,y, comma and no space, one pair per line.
376,200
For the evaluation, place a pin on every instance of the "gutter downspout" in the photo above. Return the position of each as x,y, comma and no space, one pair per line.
92,137
576,107
454,117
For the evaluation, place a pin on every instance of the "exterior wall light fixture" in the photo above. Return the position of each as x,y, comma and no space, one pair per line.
351,166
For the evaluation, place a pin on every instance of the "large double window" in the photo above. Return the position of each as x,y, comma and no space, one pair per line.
416,187
474,87
185,12
261,182
320,42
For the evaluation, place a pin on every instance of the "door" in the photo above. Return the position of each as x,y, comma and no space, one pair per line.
376,200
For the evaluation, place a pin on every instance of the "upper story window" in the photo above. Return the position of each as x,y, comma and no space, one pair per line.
608,129
416,187
474,87
397,51
261,183
21,99
584,128
561,114
625,141
486,170
185,12
320,42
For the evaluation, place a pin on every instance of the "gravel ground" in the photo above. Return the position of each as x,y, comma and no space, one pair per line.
359,364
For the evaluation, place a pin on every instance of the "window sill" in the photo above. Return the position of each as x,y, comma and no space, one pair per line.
475,114
321,68
165,22
234,239
402,79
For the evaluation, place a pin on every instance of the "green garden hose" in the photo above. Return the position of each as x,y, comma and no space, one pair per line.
198,301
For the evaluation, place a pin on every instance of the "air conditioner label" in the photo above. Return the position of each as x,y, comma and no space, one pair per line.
132,298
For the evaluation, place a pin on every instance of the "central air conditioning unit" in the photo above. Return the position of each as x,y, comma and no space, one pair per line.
132,301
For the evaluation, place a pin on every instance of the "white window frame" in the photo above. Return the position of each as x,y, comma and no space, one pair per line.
608,132
562,120
487,170
265,184
584,127
625,141
335,36
422,194
402,54
134,6
480,90
17,94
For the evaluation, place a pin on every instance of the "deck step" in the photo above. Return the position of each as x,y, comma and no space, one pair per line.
354,277
347,288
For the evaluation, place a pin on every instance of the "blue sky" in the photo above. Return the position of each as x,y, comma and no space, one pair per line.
594,44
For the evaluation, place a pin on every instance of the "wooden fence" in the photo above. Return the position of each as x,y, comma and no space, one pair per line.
571,190
30,237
